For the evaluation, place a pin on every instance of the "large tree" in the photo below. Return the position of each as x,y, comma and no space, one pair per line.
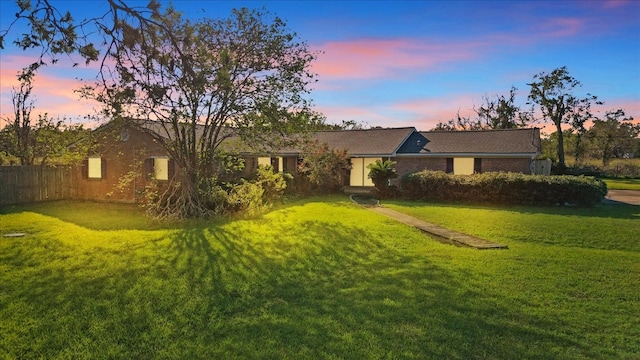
501,112
195,84
498,112
615,136
20,135
55,33
554,94
42,140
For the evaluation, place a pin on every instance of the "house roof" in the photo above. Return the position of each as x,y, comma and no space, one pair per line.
374,142
405,141
508,141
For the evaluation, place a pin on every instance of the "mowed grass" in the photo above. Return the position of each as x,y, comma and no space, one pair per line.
623,184
319,278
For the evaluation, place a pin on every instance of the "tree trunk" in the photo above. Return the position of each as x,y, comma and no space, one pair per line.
562,167
181,199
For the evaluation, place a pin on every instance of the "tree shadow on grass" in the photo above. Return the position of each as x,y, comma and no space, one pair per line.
341,292
320,290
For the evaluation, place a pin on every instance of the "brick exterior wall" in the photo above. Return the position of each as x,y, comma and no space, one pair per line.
289,164
121,157
125,158
519,165
408,165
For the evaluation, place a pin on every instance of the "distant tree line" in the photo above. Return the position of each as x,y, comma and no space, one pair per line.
578,131
25,140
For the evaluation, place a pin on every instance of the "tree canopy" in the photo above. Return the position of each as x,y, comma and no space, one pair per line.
195,83
613,137
554,94
498,112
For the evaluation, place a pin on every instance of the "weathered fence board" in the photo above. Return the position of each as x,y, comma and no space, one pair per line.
25,184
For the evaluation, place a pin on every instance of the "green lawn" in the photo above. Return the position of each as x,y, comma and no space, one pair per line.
319,279
623,184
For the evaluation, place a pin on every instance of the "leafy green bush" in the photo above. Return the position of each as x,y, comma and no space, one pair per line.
621,168
585,170
252,195
245,196
381,173
273,184
325,169
503,188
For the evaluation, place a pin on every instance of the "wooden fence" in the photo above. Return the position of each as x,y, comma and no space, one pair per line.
25,184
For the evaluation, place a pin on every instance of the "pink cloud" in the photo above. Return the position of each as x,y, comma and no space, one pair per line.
52,93
366,116
610,4
426,113
423,114
631,108
561,27
379,58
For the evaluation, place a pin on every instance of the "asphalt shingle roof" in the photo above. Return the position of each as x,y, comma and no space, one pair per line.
376,142
382,142
511,141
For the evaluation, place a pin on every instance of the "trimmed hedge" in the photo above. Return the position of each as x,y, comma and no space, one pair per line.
503,188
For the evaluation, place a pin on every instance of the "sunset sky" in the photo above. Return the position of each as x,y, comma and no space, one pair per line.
395,64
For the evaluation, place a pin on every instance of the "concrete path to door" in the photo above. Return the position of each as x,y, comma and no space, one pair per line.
441,234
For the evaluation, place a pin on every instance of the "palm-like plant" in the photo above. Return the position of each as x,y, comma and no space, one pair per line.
381,173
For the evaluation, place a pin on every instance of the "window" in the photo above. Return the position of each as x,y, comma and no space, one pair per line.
95,168
264,161
159,168
463,166
359,175
274,162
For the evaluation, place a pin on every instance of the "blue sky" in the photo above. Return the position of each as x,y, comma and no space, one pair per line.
413,63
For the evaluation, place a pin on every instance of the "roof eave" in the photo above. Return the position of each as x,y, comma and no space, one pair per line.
370,155
495,155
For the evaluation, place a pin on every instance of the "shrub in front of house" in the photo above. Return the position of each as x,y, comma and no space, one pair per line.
381,173
251,195
245,196
273,183
323,169
503,188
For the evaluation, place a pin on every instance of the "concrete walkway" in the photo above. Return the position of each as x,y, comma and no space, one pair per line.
631,197
442,234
